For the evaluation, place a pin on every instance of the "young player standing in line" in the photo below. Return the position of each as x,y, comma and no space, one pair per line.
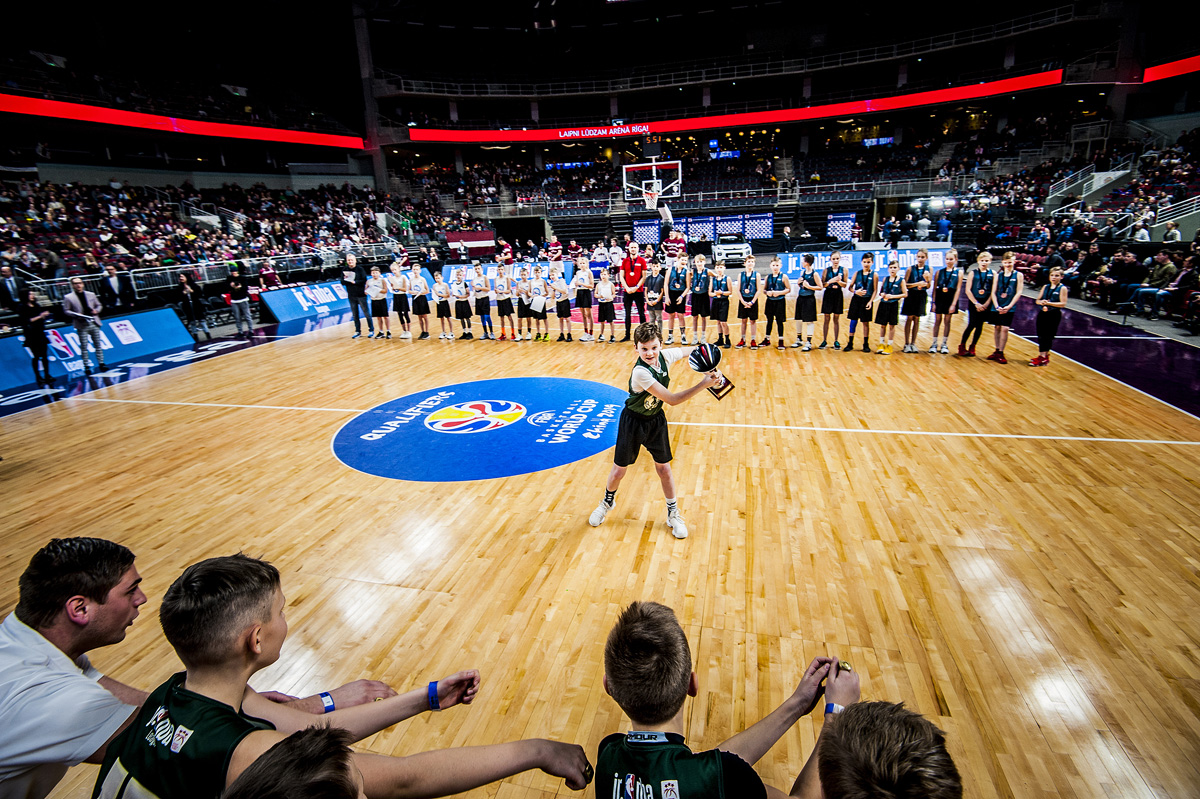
441,295
701,304
748,302
719,291
862,297
583,283
539,288
504,303
1005,292
776,290
947,288
606,292
524,312
916,303
418,289
654,288
399,286
643,423
809,282
482,289
979,280
461,291
377,292
887,305
833,302
678,288
562,303
1052,299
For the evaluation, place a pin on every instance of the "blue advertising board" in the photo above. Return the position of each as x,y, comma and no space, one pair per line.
122,338
299,302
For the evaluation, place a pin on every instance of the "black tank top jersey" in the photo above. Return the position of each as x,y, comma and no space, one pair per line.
700,282
947,278
775,283
981,284
863,279
807,276
915,275
749,285
720,284
678,279
891,286
1052,293
1006,287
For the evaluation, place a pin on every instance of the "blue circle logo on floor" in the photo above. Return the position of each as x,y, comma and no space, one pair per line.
483,430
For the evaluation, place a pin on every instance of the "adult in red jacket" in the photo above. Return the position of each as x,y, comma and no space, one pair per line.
633,275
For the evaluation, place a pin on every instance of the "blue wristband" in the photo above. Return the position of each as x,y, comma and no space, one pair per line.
832,708
327,701
433,697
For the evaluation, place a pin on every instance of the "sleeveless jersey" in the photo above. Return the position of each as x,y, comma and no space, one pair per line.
981,289
915,275
807,275
830,273
178,746
480,285
775,283
891,286
655,765
720,284
678,280
947,279
749,286
1048,291
700,282
643,402
1006,287
863,279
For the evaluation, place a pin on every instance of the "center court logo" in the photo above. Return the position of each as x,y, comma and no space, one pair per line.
426,437
477,416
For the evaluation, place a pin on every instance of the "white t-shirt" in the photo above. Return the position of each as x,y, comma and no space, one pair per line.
642,378
605,291
55,713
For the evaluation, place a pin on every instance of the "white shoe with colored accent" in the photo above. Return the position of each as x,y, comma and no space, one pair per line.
597,517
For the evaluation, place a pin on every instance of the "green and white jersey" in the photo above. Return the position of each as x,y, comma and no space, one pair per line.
178,747
642,375
657,765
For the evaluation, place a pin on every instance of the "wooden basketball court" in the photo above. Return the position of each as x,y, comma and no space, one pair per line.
1011,551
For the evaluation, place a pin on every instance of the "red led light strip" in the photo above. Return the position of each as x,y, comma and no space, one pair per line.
1172,69
132,119
955,94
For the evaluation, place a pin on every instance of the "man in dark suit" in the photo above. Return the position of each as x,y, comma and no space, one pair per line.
116,290
11,288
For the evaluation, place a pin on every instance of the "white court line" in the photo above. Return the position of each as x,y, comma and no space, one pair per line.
214,405
931,433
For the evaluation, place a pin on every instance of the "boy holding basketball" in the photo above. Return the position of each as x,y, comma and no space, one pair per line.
643,423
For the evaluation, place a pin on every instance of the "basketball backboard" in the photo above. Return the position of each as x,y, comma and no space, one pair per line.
664,177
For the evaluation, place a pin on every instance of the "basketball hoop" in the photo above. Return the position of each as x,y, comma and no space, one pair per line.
651,198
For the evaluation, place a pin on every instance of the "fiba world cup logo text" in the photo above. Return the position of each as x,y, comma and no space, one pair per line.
477,416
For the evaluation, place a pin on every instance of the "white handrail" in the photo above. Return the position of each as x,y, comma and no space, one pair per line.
1189,206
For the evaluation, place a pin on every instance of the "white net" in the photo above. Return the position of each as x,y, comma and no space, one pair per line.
651,198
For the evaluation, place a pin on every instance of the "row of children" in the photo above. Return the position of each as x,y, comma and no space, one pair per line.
524,299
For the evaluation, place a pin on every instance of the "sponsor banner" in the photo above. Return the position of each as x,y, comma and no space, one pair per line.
852,261
298,302
482,430
752,226
121,337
